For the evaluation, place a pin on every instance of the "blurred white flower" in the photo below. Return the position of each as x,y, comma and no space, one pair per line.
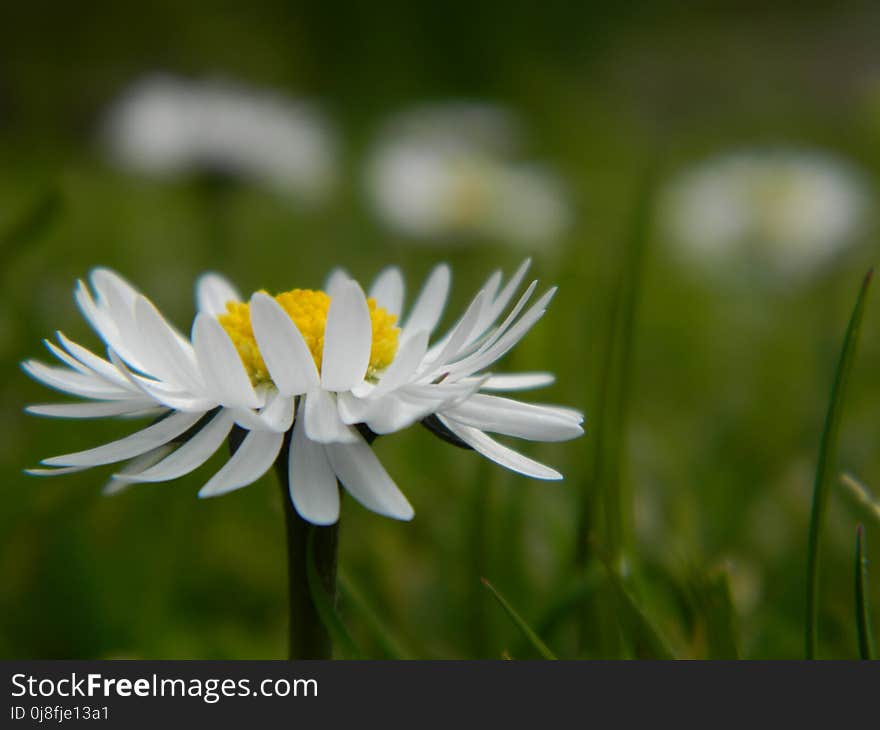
450,170
165,126
790,210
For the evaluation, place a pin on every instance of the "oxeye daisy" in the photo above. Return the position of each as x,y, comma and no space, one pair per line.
303,380
791,211
330,369
455,171
165,126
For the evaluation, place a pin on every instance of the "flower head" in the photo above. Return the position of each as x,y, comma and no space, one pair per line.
451,170
164,125
789,210
310,375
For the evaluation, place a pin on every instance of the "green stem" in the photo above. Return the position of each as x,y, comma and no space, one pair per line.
308,637
863,612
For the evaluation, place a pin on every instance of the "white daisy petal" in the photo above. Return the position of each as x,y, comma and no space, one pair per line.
396,411
364,477
313,488
388,289
512,418
91,361
285,352
55,472
133,445
213,292
278,419
428,308
188,457
322,421
220,364
117,483
116,297
445,393
277,414
353,409
97,318
101,409
490,312
509,290
254,457
490,290
408,358
161,393
470,356
165,356
492,284
499,453
412,403
519,381
75,383
335,280
458,336
109,285
347,339
67,359
507,341
573,413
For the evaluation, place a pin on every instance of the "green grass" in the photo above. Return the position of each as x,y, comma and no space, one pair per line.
863,610
534,640
826,465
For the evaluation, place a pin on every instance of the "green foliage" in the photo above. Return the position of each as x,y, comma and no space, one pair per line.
534,640
826,465
863,610
710,593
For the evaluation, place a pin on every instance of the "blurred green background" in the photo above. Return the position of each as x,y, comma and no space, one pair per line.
729,384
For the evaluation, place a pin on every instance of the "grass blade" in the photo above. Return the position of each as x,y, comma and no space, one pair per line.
826,466
609,443
527,631
861,495
644,631
568,603
338,633
712,600
604,498
863,612
391,647
618,502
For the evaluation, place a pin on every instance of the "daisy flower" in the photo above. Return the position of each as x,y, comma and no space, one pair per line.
308,376
452,170
165,126
790,210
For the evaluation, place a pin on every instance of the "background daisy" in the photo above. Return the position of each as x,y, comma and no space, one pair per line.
167,126
791,211
453,170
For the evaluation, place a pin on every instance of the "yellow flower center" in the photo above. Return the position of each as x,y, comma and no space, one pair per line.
308,310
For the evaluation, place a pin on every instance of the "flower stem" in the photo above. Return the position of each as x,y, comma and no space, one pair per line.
308,637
